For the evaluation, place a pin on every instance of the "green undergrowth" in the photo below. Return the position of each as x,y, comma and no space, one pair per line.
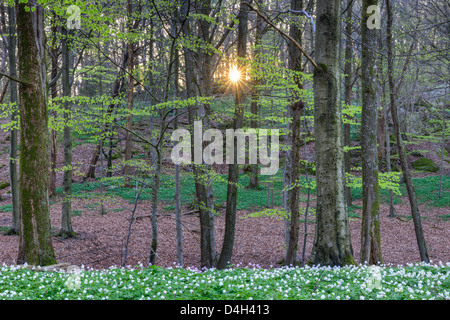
427,190
114,188
412,282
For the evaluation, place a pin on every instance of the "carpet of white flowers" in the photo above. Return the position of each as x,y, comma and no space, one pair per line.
410,282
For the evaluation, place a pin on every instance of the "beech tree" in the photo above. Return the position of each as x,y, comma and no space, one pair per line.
348,84
233,169
167,64
295,109
370,229
35,244
130,88
332,244
66,220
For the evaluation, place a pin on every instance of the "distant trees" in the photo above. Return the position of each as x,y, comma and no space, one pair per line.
167,65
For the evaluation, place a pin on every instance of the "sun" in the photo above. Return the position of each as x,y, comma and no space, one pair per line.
235,74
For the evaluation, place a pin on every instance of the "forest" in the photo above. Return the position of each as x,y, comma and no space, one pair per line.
163,137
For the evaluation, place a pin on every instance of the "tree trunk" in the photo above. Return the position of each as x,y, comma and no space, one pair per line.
348,94
15,225
254,179
118,83
386,142
401,148
154,222
291,252
233,169
54,95
294,137
332,244
130,93
201,191
35,244
203,113
370,229
66,221
444,106
176,195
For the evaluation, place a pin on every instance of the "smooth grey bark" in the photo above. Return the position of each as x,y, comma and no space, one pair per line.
388,149
178,219
13,176
386,142
370,230
54,95
332,244
66,221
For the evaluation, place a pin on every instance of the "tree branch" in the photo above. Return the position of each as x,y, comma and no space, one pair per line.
284,34
13,78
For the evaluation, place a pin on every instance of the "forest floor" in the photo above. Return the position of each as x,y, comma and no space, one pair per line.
259,241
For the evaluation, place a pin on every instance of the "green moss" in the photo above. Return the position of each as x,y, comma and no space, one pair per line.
322,67
6,208
76,213
425,164
4,184
349,260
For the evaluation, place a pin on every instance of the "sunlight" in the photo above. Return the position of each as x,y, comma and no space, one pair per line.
235,74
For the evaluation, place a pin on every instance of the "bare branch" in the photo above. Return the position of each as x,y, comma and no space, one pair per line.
13,78
284,34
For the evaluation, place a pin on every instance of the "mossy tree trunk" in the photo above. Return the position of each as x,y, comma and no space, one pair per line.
35,244
370,229
332,244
